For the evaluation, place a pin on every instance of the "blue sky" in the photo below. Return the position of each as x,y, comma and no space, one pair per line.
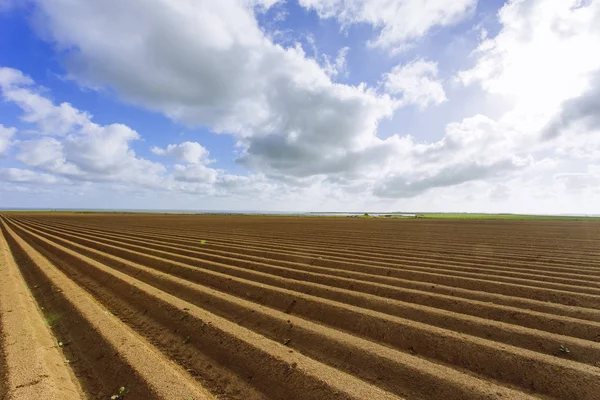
301,105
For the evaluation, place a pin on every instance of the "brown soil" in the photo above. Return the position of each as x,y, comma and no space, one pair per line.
329,308
31,363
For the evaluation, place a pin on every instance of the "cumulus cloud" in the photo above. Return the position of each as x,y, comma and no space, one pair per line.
256,185
397,22
579,181
208,63
72,145
266,4
579,115
541,62
195,173
50,119
478,138
399,186
541,57
6,133
299,131
188,152
48,155
477,148
195,158
88,152
336,67
416,82
19,175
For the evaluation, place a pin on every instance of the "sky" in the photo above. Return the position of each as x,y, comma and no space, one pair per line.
301,105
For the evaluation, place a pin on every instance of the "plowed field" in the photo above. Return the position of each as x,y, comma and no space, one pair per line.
250,307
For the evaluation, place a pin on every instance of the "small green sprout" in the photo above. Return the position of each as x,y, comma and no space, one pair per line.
184,316
564,349
120,394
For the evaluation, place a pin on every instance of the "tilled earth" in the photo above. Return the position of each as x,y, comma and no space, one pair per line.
138,306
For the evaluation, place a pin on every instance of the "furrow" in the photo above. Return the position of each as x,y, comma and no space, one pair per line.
255,307
32,365
103,353
588,352
545,322
383,286
431,243
303,335
447,260
263,363
430,251
566,281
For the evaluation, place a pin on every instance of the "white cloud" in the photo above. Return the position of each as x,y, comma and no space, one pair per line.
78,148
543,55
104,149
303,135
18,175
398,21
331,66
46,154
6,133
188,152
266,4
208,63
337,66
499,192
88,152
581,181
195,173
255,186
195,170
416,82
102,153
542,64
49,118
477,148
204,62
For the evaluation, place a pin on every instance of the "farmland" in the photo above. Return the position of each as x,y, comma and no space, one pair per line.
139,306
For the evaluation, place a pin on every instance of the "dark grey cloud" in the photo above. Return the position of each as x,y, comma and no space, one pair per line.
402,187
581,113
